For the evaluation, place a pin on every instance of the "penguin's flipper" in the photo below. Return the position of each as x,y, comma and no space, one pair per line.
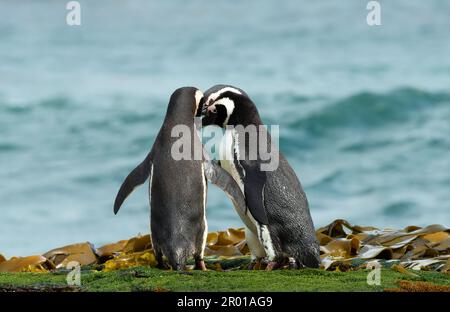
218,176
254,182
136,177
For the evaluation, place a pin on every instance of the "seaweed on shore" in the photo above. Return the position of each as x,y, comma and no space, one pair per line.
343,247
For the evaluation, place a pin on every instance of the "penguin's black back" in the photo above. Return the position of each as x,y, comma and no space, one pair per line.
177,186
289,217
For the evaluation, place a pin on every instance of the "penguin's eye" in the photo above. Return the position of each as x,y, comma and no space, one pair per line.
212,109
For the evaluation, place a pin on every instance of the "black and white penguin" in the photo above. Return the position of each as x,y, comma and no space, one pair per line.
282,228
178,187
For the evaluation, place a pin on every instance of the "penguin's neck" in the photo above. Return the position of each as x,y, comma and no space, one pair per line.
248,118
245,113
244,140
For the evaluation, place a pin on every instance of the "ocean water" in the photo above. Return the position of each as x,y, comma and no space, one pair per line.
364,112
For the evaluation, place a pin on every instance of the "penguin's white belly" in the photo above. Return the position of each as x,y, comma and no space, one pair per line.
258,236
251,226
247,218
231,169
227,154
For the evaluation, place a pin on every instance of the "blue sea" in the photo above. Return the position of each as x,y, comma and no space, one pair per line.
364,111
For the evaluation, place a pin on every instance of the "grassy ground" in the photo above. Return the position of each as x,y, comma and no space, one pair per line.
150,279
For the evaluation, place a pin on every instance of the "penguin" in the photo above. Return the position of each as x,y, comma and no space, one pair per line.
281,229
178,188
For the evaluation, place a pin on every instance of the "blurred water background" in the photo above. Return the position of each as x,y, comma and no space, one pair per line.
364,112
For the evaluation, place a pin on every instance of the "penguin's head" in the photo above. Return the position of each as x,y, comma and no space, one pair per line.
185,100
224,105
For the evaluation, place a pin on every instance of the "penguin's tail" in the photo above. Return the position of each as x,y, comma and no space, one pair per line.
177,259
136,177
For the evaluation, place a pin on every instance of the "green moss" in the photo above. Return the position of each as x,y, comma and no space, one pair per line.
149,279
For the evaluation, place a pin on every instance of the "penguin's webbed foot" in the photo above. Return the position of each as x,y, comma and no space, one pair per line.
272,265
200,265
255,264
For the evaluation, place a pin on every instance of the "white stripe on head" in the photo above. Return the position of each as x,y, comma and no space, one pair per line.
198,97
215,95
229,105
